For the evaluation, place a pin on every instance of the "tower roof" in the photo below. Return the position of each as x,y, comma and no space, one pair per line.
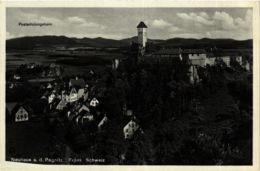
141,25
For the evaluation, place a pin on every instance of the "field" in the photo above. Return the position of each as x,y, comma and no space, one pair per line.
72,63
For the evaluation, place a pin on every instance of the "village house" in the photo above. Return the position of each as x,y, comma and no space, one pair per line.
168,53
193,74
84,108
53,105
199,61
225,59
85,118
29,110
102,123
69,114
11,85
239,59
51,97
210,61
73,95
17,77
76,106
54,70
91,72
82,113
77,119
77,82
80,93
61,105
246,65
49,86
130,129
94,102
21,113
129,112
31,65
126,111
115,63
193,54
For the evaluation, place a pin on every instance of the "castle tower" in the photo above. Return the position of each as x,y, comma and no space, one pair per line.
142,34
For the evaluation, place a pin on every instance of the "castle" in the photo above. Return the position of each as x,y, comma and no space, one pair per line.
195,57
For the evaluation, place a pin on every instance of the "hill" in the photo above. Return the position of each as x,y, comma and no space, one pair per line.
27,43
206,42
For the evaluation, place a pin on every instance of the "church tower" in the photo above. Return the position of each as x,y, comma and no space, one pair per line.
142,34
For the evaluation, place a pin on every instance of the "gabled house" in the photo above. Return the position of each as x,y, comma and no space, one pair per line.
94,102
49,86
73,95
22,113
130,129
31,110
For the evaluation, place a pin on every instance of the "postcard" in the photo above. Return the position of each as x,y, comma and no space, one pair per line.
130,85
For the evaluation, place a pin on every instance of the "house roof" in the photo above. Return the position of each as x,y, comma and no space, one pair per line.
193,51
61,104
10,106
141,25
27,107
83,107
130,129
175,52
79,82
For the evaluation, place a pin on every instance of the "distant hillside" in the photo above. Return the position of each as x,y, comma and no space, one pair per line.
101,42
24,43
206,42
38,41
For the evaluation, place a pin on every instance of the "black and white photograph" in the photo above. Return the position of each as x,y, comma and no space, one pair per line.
129,86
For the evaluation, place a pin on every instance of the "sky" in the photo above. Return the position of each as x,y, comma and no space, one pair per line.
120,23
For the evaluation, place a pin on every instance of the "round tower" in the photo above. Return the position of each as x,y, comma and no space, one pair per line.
142,33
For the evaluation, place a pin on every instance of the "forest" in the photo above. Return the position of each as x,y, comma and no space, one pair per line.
208,123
